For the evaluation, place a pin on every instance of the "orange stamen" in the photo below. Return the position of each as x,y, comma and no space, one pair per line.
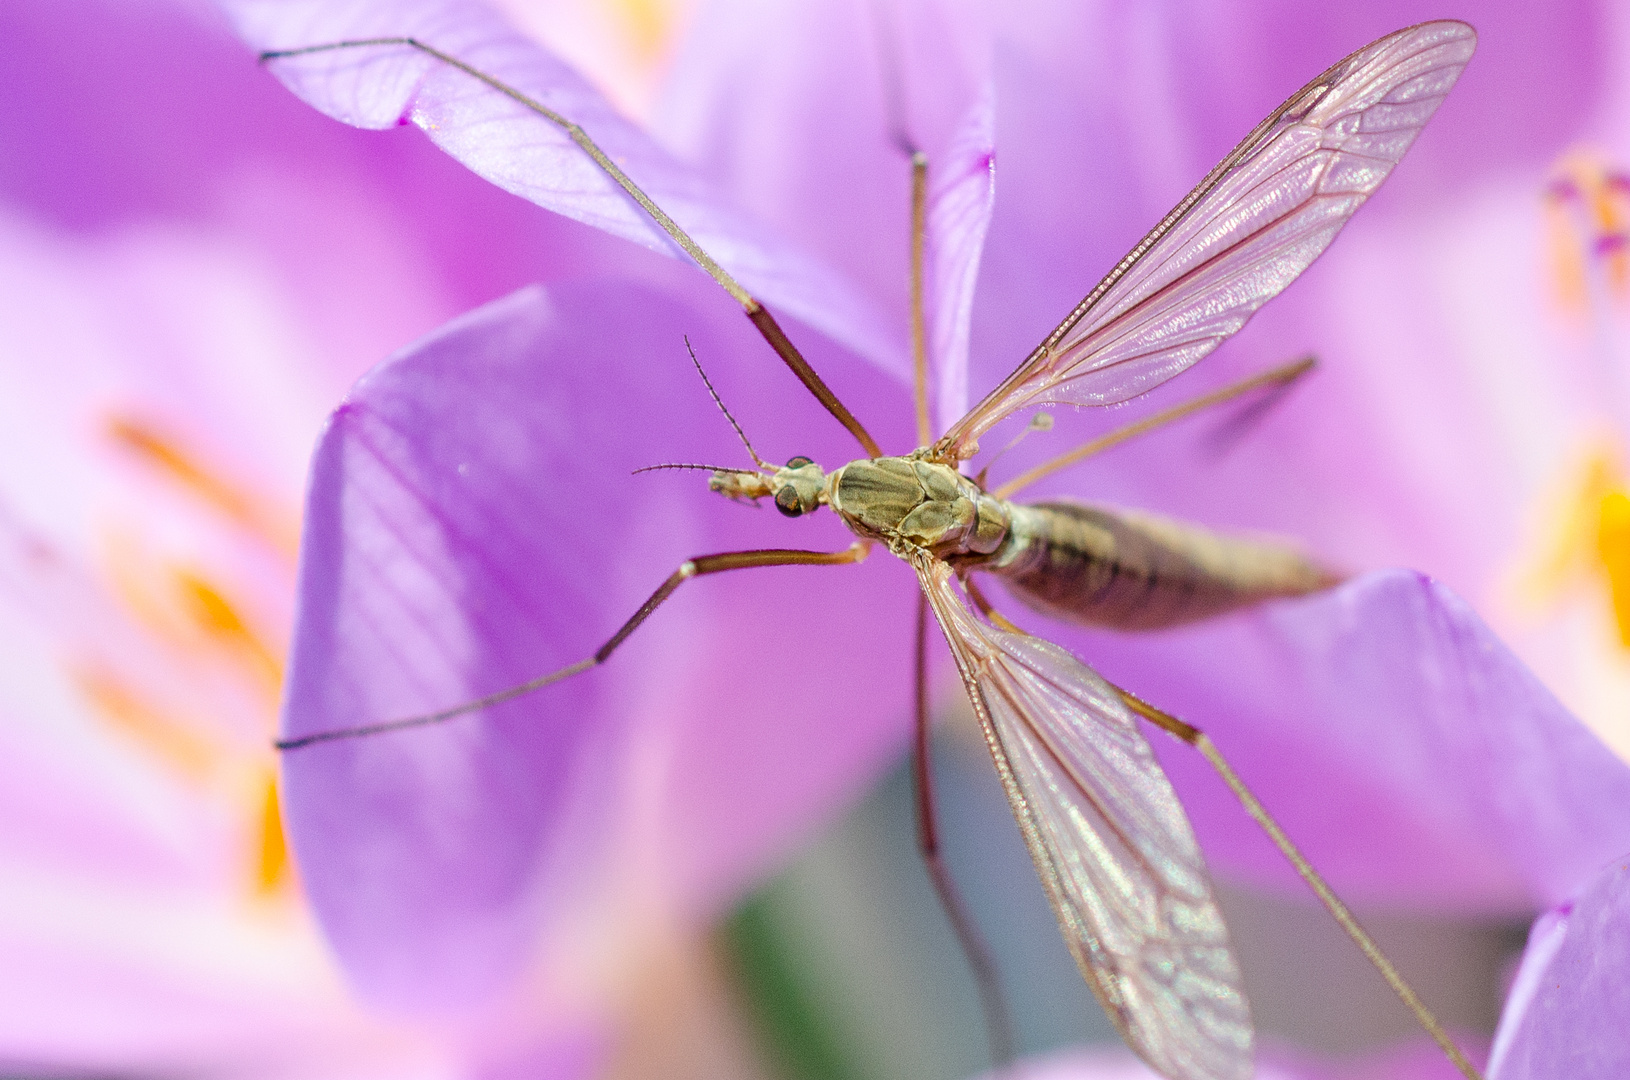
212,613
149,726
235,502
272,867
1613,547
187,610
647,23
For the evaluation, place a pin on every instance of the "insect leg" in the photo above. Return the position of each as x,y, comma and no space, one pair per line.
998,1021
919,324
1197,739
986,608
1280,376
894,108
697,567
756,312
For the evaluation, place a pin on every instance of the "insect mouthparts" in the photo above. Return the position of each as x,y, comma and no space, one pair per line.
741,485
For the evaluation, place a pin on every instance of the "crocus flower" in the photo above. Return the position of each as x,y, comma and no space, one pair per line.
1403,450
1416,1062
1565,1013
195,268
471,524
1563,1016
661,810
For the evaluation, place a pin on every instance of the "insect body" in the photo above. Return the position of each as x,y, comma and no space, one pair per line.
1108,837
1121,866
1084,564
1111,844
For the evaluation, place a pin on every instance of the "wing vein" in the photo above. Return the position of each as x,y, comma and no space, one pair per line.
1244,232
1115,854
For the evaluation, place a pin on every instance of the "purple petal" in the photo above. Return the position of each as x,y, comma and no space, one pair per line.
1402,746
522,153
960,203
148,155
1566,1010
472,524
186,248
1420,1061
1405,435
797,110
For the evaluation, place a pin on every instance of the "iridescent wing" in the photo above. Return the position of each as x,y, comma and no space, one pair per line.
1245,232
1110,841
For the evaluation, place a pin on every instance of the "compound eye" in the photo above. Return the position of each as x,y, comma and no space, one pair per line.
786,501
799,462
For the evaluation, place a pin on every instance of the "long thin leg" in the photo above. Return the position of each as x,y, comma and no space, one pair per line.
998,1022
756,312
1197,739
698,567
919,322
894,107
1281,376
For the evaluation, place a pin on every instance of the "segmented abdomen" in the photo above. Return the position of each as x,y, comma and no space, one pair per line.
1132,571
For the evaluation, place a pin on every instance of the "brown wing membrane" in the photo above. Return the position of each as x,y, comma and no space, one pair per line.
1244,233
1110,841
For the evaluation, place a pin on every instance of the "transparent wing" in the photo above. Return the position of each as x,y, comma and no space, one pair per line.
1244,233
1110,841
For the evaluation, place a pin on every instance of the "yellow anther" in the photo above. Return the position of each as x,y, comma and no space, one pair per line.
131,715
648,24
211,612
272,866
188,611
1613,548
166,455
1568,534
1588,542
209,609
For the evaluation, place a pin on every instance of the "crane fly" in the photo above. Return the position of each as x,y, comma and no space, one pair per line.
1114,850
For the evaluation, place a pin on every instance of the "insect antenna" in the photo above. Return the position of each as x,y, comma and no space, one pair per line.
717,400
689,465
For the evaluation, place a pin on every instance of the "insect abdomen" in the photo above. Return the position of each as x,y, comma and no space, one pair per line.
1133,571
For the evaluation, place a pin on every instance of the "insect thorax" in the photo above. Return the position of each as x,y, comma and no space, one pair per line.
907,502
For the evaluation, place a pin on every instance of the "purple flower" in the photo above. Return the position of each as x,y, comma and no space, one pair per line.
471,524
195,268
1460,387
1564,1015
1391,455
1415,1062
